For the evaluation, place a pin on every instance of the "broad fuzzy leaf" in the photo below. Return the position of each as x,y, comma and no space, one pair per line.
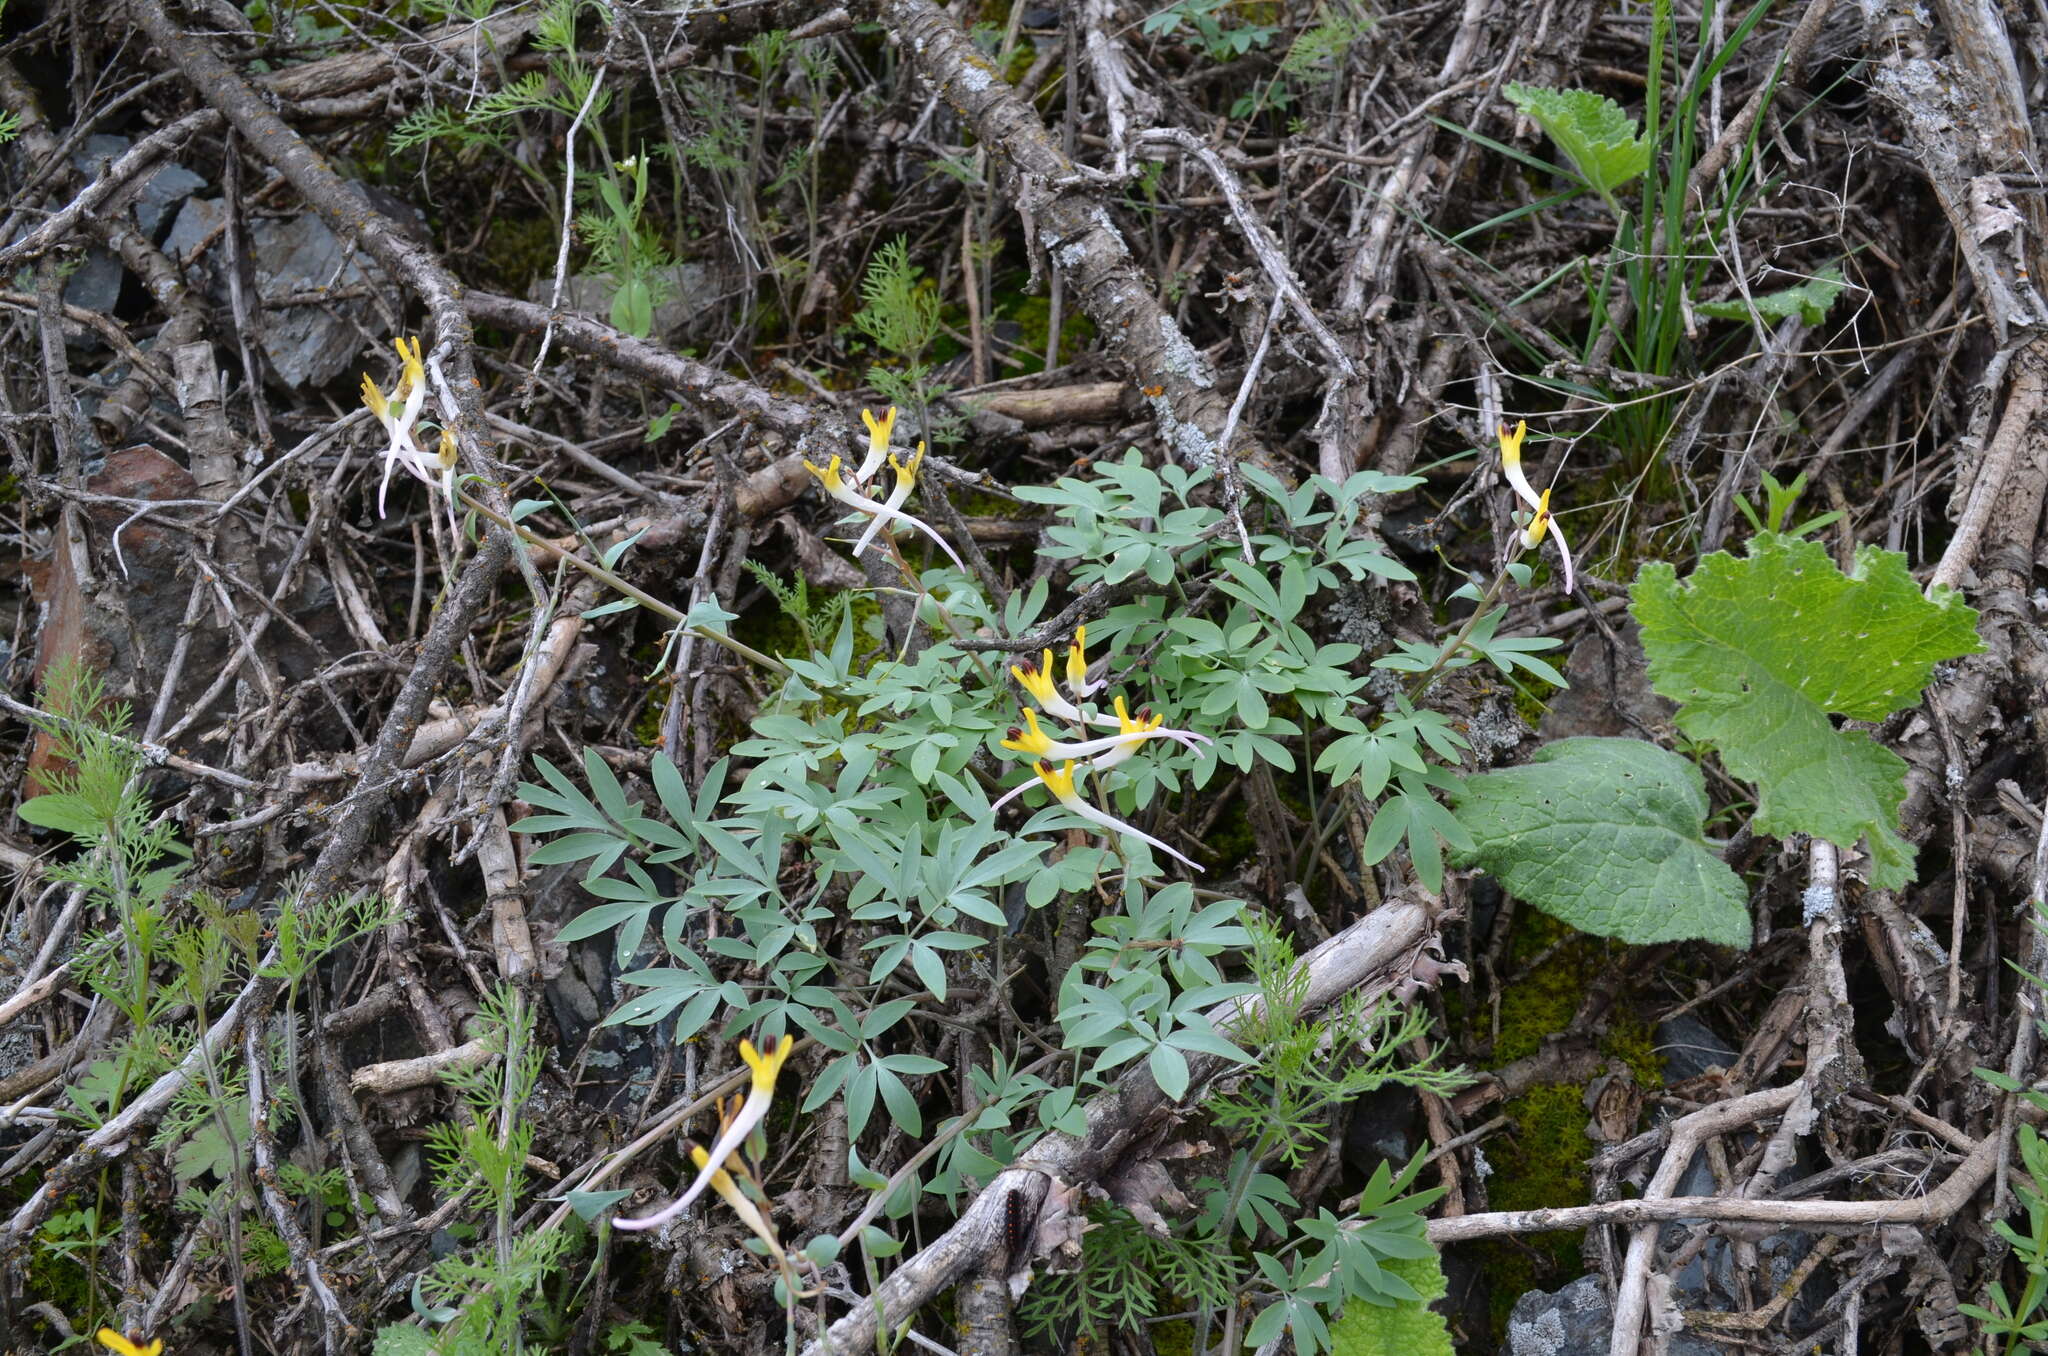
1605,835
1809,301
400,1340
1406,1328
1601,140
1758,653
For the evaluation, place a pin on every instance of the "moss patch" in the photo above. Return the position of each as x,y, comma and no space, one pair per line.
1034,316
1542,1160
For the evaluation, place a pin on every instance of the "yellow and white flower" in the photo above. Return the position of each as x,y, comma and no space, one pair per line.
879,432
733,1134
906,481
1061,783
729,1191
1077,667
1035,742
835,486
121,1346
1540,520
399,413
1035,676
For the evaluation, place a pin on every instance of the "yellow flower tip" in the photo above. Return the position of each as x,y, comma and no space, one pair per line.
879,430
115,1342
447,450
1077,661
374,398
1511,443
1060,783
1540,523
829,476
766,1066
907,475
1145,722
1035,743
1035,678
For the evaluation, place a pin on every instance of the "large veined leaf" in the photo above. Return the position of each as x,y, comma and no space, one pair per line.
1759,652
1809,301
1605,834
1404,1328
1601,140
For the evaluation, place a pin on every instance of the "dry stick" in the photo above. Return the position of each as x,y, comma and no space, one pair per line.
343,206
1371,955
2023,407
1934,1206
343,843
1073,226
547,335
1265,247
283,1215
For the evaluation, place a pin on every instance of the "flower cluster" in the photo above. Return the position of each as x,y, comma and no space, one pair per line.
734,1127
854,493
399,413
1101,754
1540,521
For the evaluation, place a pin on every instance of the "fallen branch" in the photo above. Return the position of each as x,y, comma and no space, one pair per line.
1371,956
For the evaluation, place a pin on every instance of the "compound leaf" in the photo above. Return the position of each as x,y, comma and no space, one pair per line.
1601,140
1758,653
1605,835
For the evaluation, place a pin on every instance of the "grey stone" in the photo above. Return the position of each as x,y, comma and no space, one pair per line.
166,188
307,345
1688,1047
304,345
163,190
197,219
687,314
95,285
1578,1321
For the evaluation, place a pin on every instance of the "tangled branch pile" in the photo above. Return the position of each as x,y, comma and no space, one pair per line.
1190,677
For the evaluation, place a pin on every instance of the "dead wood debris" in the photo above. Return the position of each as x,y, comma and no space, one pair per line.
347,702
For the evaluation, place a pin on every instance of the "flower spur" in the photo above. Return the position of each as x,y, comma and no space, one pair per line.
731,1136
836,487
1061,783
1540,519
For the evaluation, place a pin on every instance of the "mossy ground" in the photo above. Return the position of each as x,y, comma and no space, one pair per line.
1541,1159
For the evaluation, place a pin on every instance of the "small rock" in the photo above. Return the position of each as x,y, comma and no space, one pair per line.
1578,1321
165,189
694,290
95,285
304,345
1688,1047
1609,692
